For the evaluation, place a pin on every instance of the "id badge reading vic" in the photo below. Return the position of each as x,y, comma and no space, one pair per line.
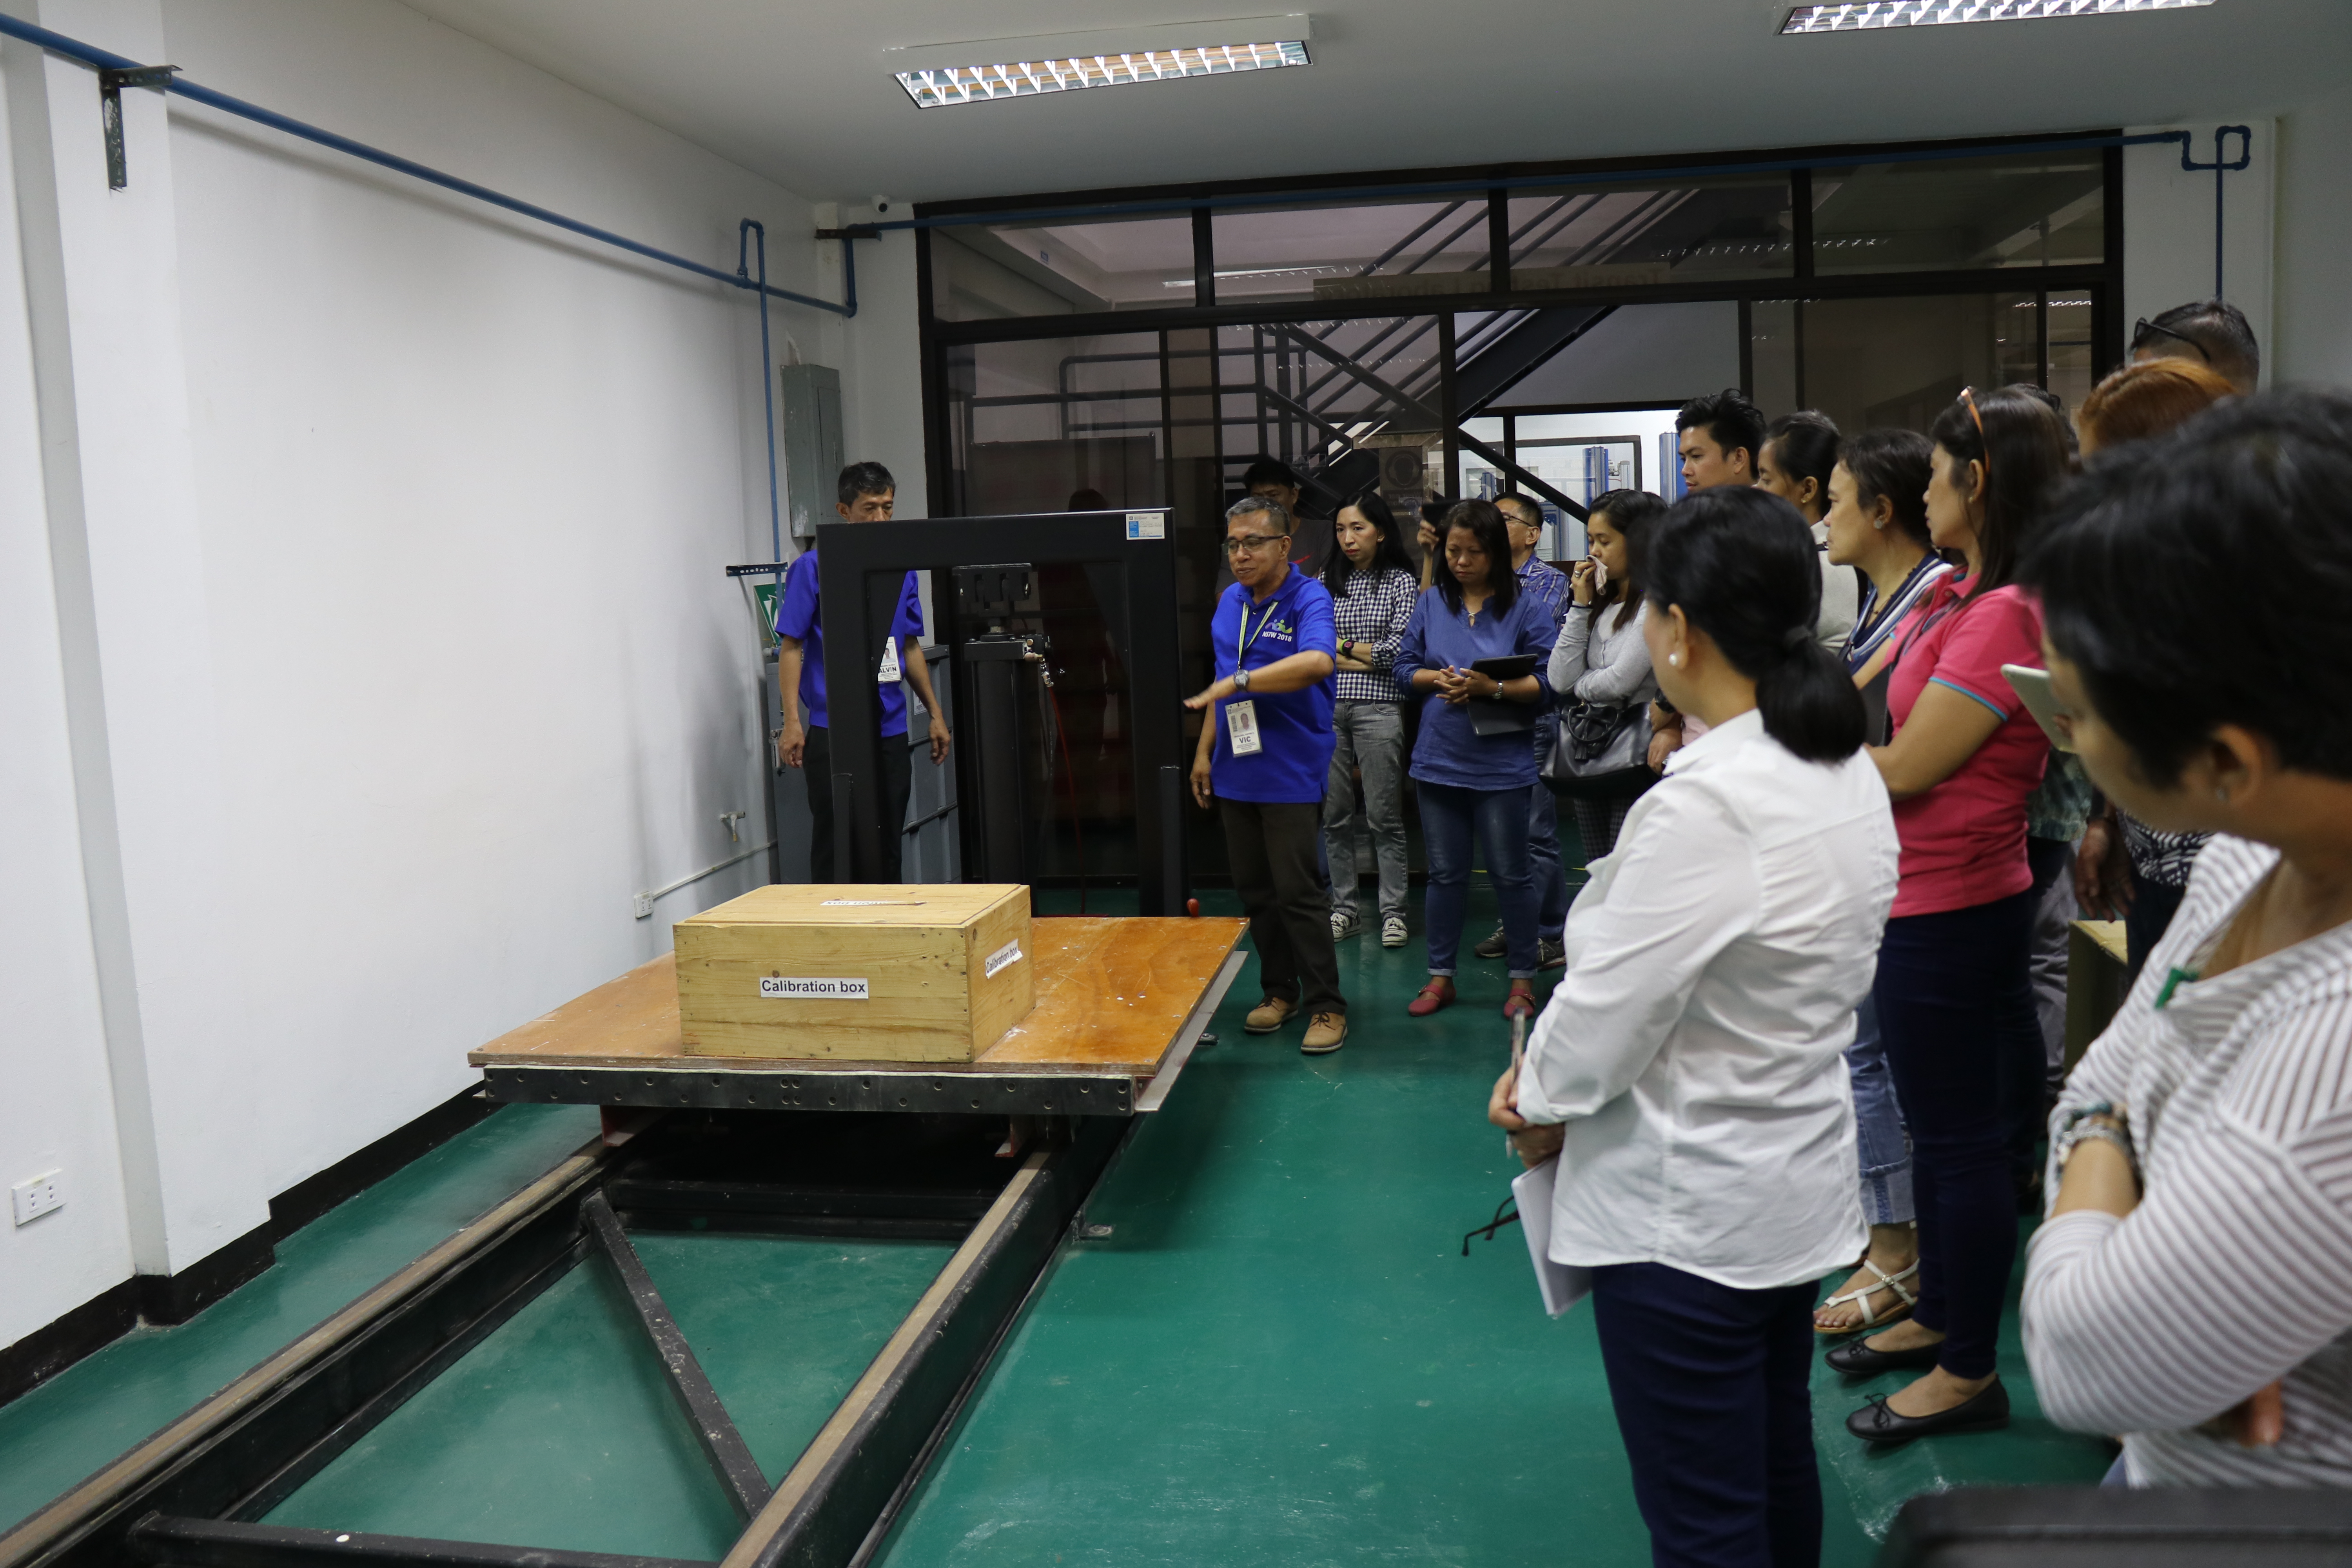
1241,729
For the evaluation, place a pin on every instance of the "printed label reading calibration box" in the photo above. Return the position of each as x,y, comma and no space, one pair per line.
1003,958
820,990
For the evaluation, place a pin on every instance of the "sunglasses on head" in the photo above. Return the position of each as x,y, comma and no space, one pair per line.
2146,328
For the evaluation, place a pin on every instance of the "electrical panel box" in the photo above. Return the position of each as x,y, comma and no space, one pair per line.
932,973
812,459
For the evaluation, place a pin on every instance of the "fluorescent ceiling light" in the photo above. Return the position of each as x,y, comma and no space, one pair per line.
1860,15
936,75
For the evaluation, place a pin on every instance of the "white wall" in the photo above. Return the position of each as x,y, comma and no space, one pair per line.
408,657
58,1109
2313,308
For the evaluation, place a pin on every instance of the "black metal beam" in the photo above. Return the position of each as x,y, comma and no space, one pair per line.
1834,286
640,1197
707,1087
183,1542
714,1429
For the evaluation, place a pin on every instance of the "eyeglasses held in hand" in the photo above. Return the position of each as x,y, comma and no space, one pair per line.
1254,542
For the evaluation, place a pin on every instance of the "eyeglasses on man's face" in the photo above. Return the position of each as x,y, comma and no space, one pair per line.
2146,328
1253,544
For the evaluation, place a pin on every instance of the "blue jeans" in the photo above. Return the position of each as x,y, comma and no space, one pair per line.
1878,1124
1451,818
1710,1386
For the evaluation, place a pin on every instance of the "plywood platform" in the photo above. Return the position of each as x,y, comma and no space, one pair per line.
1118,1004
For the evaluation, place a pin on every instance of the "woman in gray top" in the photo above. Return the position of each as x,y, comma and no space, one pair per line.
1600,659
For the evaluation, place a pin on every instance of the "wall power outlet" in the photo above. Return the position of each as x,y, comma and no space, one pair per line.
31,1199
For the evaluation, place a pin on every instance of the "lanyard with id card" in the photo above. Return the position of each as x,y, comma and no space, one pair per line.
1241,718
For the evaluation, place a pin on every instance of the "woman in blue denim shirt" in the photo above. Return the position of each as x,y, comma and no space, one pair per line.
1474,787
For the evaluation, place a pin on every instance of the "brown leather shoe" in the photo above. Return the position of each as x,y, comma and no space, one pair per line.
1268,1016
1325,1033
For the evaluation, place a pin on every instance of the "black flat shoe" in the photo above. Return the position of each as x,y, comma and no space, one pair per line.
1988,1412
1856,1359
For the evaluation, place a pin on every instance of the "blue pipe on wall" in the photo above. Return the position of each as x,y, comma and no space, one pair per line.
100,59
767,363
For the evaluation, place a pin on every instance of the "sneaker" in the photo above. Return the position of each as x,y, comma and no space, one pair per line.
1268,1016
1550,955
1393,932
1344,924
1521,1002
1495,946
1325,1033
1437,994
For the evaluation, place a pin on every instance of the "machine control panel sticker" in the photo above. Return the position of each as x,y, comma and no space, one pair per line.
1003,959
785,985
1146,525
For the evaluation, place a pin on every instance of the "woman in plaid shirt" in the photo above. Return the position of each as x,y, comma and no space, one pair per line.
1373,589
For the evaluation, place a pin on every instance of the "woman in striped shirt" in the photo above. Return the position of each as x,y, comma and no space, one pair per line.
2192,1286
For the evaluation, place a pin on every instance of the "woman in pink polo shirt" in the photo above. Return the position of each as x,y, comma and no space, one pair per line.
1965,756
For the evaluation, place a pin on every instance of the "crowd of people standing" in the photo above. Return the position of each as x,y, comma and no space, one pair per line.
1848,737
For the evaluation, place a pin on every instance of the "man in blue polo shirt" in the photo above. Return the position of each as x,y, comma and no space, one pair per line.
868,493
1265,752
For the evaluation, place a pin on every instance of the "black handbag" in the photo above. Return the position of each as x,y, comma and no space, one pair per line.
1600,753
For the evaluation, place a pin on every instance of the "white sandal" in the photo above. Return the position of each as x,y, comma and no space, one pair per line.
1861,1299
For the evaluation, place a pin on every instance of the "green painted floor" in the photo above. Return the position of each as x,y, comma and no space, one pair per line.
1280,1356
1277,1355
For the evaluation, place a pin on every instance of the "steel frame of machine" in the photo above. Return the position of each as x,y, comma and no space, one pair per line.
193,1494
1132,562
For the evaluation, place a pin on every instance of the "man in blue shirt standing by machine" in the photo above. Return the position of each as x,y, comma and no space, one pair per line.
867,494
1265,752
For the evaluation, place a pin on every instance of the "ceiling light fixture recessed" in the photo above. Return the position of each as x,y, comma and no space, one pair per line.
938,75
1860,15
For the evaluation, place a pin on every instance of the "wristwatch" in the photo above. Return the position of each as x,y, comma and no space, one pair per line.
2084,1123
1241,680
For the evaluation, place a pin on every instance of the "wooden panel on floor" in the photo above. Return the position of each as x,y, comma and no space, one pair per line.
1112,995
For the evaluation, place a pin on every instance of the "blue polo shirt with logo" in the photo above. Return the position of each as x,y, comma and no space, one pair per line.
1294,727
798,618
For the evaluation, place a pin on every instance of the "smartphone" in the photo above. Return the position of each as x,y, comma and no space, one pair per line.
2032,689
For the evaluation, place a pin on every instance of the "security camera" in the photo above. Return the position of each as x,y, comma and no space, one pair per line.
881,205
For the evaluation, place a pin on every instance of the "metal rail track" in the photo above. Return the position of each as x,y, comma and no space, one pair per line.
192,1494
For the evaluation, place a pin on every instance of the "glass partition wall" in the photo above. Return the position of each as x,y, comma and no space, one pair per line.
1440,334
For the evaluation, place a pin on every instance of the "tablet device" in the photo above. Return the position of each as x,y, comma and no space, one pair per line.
1506,666
2032,689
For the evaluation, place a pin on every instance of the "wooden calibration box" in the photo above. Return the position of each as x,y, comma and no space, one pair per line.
877,973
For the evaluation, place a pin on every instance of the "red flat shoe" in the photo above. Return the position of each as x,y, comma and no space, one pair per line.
1521,1002
1438,993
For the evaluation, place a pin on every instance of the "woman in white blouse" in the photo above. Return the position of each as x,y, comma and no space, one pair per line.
1688,1071
2192,1286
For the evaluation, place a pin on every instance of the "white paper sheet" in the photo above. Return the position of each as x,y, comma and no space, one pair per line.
1562,1286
